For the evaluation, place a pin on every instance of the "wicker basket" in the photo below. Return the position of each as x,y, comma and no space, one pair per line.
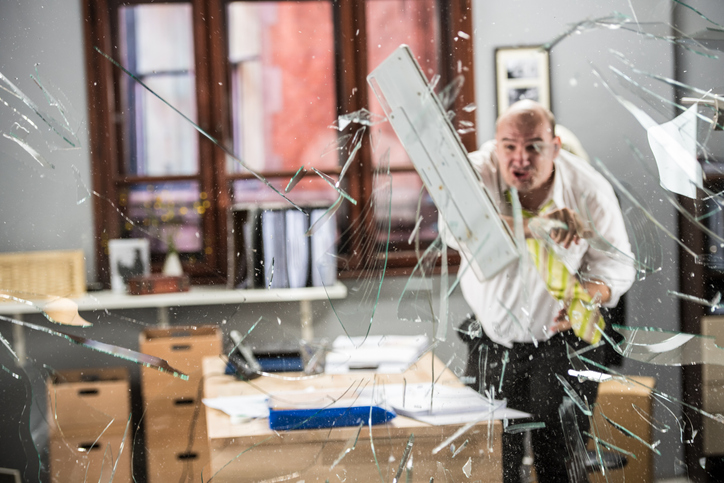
33,274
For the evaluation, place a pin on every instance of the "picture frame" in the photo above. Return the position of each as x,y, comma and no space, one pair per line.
522,73
129,257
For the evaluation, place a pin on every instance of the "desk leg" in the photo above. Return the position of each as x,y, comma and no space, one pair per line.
162,317
305,310
19,341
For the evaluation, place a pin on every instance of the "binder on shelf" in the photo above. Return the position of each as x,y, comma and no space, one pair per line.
324,250
297,250
266,236
274,246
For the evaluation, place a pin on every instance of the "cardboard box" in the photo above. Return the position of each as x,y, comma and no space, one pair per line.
75,457
88,400
174,416
710,371
183,348
615,400
169,458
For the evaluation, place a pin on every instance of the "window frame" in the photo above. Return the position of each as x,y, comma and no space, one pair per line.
213,96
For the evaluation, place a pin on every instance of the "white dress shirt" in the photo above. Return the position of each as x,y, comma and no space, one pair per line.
512,311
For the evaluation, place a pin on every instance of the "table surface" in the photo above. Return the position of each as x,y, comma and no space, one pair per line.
217,384
198,295
253,452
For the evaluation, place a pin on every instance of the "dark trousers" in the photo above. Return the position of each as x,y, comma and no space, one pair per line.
530,385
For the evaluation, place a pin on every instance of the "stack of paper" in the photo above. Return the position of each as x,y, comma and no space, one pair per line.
441,404
388,354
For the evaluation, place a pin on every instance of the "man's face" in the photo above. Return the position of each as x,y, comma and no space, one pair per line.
526,151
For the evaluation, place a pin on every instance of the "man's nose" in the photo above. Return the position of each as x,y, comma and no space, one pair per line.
521,156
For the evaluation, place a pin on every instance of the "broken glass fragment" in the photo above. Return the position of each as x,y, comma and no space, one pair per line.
113,350
451,92
658,426
609,445
363,117
626,432
462,447
575,397
468,467
30,150
316,224
51,99
301,172
350,446
59,310
522,427
334,184
62,131
622,190
575,449
656,346
405,456
356,144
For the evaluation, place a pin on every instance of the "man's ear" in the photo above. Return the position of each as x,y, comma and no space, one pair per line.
557,143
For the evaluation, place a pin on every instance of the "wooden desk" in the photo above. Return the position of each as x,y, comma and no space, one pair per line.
253,452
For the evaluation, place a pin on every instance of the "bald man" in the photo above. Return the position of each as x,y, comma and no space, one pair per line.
533,309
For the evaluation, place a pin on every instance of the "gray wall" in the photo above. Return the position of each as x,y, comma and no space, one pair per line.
39,208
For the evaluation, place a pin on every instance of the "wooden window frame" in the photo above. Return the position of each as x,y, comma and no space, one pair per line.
213,96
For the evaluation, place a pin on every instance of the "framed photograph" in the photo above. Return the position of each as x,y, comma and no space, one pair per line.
522,73
128,257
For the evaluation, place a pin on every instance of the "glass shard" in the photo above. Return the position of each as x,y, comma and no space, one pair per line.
58,310
334,185
356,144
468,467
405,457
522,427
301,172
113,350
363,117
62,131
30,150
350,446
623,430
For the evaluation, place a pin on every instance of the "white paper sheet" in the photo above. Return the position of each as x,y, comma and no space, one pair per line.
674,147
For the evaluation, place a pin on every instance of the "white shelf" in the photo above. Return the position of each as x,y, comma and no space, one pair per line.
198,295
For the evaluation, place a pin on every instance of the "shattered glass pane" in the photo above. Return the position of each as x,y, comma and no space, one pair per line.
176,122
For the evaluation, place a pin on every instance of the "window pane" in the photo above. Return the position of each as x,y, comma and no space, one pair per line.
281,58
158,45
167,212
405,195
389,24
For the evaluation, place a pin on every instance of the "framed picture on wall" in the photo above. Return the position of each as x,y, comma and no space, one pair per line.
522,73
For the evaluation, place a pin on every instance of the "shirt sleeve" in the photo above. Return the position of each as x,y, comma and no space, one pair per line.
610,259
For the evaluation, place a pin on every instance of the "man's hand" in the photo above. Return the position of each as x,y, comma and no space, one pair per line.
561,323
575,227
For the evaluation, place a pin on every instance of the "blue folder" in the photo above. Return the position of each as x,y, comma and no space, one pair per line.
286,419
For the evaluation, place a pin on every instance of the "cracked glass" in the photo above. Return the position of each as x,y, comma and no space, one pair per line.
237,146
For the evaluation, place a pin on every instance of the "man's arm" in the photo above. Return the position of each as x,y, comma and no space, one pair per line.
563,225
